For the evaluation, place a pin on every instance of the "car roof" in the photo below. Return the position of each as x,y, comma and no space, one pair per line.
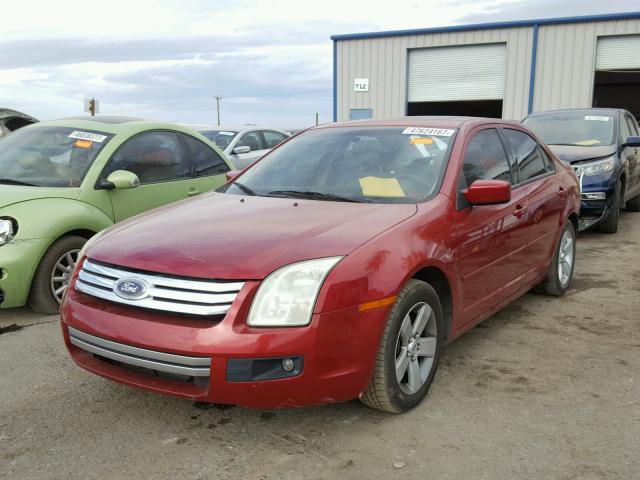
610,111
426,121
113,125
235,128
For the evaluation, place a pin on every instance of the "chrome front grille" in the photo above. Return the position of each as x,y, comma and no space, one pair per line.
141,357
168,294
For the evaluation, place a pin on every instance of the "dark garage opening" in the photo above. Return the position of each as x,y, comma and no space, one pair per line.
618,89
471,108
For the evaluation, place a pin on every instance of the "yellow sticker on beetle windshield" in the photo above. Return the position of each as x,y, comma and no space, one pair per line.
421,141
83,143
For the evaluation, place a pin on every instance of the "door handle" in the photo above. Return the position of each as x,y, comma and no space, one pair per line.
520,211
193,192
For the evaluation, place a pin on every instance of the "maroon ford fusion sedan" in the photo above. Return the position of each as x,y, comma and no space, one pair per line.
334,268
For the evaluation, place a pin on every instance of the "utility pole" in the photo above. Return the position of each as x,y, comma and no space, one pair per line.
218,107
316,119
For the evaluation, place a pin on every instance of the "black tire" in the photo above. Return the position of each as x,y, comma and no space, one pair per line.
384,391
609,224
553,284
633,205
41,297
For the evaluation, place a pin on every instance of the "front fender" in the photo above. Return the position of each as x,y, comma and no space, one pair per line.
53,217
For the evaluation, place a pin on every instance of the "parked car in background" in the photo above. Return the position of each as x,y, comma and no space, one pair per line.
63,181
602,146
11,120
244,144
334,268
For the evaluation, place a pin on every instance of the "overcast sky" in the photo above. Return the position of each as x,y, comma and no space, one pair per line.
167,60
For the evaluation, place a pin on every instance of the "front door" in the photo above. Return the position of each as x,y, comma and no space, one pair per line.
630,156
159,160
492,238
255,142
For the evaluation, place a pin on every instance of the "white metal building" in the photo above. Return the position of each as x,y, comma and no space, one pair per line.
494,70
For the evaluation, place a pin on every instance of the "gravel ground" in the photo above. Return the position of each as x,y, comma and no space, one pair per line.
546,389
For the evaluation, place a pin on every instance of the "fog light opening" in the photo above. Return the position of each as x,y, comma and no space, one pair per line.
287,364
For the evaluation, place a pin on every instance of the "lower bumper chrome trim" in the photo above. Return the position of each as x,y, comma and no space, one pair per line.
140,357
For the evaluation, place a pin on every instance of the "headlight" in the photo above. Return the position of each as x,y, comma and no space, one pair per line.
8,230
593,168
287,297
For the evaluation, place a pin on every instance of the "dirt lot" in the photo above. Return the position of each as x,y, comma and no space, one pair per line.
547,389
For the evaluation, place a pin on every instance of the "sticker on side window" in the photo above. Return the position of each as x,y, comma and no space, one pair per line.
438,132
226,133
597,118
94,137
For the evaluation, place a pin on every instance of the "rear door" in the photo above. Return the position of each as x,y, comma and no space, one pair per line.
546,197
162,165
493,238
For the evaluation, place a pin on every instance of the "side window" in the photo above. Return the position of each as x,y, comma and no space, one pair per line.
485,158
205,160
153,156
271,139
625,130
633,130
528,157
252,140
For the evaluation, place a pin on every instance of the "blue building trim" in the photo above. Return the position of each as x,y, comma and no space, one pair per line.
489,26
532,77
335,81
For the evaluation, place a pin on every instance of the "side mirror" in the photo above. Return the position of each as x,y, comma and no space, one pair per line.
243,149
631,142
488,192
231,174
123,179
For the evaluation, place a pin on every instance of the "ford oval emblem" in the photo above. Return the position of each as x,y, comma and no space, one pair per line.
131,288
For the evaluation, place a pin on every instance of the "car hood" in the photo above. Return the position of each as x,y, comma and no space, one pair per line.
11,194
242,237
576,153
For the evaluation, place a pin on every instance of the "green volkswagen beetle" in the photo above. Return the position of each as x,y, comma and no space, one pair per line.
63,181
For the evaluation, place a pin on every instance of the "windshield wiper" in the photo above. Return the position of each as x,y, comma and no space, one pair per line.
244,188
316,196
11,181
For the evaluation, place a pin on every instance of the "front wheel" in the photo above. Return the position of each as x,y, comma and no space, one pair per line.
609,224
409,350
52,276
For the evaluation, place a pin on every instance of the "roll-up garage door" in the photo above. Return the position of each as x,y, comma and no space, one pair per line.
468,72
618,53
616,81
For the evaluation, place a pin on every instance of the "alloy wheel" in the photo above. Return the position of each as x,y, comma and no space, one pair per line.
415,348
61,273
565,258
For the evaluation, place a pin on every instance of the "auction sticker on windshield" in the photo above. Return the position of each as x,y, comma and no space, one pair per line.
438,132
94,137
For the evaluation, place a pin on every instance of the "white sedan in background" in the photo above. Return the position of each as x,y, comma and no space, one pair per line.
243,144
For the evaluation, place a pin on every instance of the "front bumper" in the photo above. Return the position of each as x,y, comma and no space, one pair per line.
18,262
592,211
333,356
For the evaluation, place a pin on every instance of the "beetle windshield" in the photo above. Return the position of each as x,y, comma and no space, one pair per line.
582,129
364,164
222,138
49,156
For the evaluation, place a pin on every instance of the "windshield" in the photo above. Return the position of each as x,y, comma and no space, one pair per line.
573,128
370,164
221,138
49,156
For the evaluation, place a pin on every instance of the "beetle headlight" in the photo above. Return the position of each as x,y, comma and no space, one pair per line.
287,297
8,230
594,168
